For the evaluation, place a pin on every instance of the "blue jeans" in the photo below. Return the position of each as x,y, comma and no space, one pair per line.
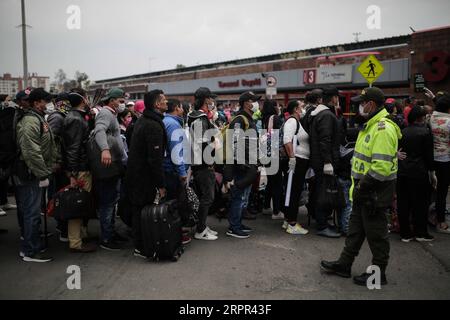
344,215
108,192
28,197
239,197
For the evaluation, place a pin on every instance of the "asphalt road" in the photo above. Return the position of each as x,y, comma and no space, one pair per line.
269,265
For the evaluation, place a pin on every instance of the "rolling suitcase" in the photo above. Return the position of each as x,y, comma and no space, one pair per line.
161,231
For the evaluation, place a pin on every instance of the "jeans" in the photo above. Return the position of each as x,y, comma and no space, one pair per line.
238,200
205,181
28,196
108,192
443,178
344,214
321,214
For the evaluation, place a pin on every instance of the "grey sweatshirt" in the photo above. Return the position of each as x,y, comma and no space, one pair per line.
106,123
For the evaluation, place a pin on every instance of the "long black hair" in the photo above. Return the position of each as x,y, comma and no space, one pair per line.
269,109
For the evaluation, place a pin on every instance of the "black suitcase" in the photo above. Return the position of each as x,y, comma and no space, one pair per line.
161,231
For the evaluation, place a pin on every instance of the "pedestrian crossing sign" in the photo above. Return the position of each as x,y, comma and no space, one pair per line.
371,69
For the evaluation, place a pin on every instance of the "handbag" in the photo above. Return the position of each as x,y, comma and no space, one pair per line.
331,195
99,171
188,205
71,203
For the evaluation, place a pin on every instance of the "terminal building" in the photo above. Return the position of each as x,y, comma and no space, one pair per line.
409,62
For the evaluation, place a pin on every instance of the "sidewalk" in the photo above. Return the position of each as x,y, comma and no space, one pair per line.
269,265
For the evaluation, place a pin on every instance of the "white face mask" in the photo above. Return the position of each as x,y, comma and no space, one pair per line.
361,111
49,107
211,106
255,106
121,108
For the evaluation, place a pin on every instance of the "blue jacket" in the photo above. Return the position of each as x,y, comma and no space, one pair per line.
173,123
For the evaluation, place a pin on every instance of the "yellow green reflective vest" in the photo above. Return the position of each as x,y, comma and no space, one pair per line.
376,150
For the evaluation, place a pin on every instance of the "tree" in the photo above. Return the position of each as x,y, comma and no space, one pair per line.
82,79
60,78
180,66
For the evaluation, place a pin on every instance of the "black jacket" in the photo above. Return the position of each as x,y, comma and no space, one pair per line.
248,169
145,159
196,139
324,138
75,134
417,142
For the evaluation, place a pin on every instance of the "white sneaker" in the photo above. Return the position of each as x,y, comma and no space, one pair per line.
442,230
9,206
279,216
297,229
205,235
210,231
63,239
2,212
285,225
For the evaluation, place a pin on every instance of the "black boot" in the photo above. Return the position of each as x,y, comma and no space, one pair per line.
361,280
337,268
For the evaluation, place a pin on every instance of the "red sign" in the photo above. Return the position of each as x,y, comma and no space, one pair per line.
237,83
309,76
438,65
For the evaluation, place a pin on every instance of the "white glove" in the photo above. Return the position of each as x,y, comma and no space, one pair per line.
328,169
227,186
44,183
292,163
433,179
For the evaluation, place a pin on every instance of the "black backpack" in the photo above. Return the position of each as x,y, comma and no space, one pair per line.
9,117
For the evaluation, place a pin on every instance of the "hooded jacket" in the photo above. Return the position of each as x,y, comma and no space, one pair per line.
324,138
172,124
198,139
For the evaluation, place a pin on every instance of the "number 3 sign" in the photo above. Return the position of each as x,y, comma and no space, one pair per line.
309,76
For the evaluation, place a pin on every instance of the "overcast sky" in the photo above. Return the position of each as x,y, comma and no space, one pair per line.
124,37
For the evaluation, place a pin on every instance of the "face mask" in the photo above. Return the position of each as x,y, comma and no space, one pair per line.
121,108
49,107
303,112
255,107
127,122
211,106
361,111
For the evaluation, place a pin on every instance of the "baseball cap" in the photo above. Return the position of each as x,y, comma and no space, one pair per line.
389,101
203,93
130,103
39,94
114,93
248,95
330,91
22,95
63,96
370,94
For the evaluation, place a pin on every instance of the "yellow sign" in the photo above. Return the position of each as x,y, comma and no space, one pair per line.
371,69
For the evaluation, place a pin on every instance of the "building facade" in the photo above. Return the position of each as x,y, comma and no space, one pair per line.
11,85
409,62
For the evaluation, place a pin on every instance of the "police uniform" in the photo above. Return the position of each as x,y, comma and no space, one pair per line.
374,174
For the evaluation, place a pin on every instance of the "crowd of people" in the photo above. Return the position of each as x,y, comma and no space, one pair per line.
394,158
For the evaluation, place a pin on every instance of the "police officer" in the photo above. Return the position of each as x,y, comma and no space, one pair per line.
374,174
